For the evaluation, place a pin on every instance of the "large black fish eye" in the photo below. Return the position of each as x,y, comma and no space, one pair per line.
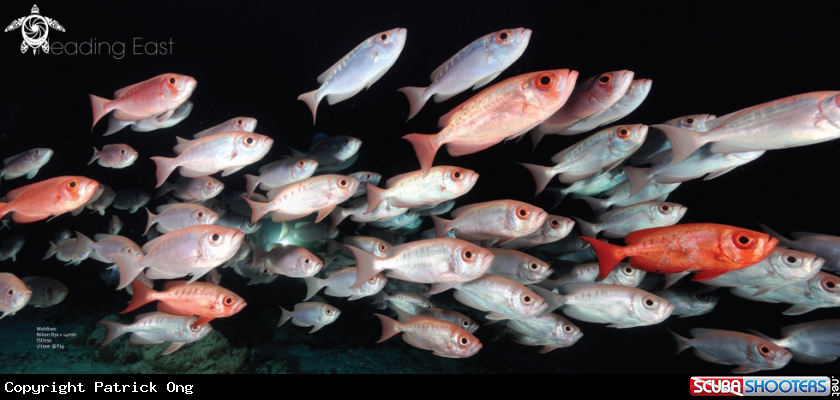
689,121
791,259
11,292
383,37
171,81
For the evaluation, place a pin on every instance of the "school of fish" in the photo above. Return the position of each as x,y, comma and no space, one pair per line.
506,262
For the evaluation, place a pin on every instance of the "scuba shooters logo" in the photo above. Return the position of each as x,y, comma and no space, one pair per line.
35,29
763,386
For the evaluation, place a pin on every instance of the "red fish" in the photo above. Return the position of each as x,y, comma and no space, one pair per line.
204,299
711,250
501,112
157,97
51,197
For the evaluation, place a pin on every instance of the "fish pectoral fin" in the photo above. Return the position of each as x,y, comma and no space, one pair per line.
316,328
164,116
231,170
31,174
202,320
799,309
497,316
172,347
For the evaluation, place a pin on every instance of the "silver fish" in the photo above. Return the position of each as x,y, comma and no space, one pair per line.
172,217
602,151
554,228
27,163
475,65
365,177
15,294
821,245
46,291
500,220
814,342
443,338
316,315
620,222
632,99
823,290
358,209
358,70
412,189
116,156
103,201
412,287
192,189
319,193
375,246
656,141
72,251
293,261
503,298
398,221
780,268
131,199
115,225
156,328
239,222
214,204
256,272
623,274
591,186
444,315
152,123
793,121
11,246
280,173
407,302
338,285
109,244
617,305
550,331
331,151
238,124
751,353
652,191
521,267
690,302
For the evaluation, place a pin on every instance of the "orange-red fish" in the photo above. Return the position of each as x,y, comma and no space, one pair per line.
157,97
710,250
503,111
51,197
204,299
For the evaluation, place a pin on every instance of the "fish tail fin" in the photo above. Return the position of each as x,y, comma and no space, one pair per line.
441,229
557,196
313,286
95,156
638,178
165,167
553,300
681,343
311,99
587,228
375,196
127,264
115,125
785,242
598,205
416,99
142,295
164,189
257,209
366,265
426,147
536,136
113,330
608,256
101,107
542,175
51,252
287,315
683,141
150,222
337,215
390,328
251,182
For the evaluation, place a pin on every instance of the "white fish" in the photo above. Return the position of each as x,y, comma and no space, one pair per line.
172,217
280,173
523,268
312,314
338,285
293,261
319,193
821,291
620,222
551,331
814,342
443,338
193,189
444,315
27,163
72,251
622,274
690,302
115,225
358,70
412,189
631,100
751,353
46,291
150,124
554,228
109,244
116,156
780,268
15,294
156,328
503,298
239,124
256,272
616,305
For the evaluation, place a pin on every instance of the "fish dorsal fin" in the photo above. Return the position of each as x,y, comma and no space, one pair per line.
438,72
162,208
152,243
182,145
557,158
788,330
123,91
9,159
444,120
699,331
11,196
82,242
267,166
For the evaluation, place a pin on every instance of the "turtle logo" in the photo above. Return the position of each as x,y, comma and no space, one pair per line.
35,30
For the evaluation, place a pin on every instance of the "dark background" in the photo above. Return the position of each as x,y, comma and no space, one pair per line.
254,59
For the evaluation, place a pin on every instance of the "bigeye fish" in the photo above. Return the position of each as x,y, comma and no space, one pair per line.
227,152
412,287
623,274
46,291
599,152
751,353
402,301
780,268
131,199
338,285
656,141
504,111
11,246
440,262
699,163
594,185
357,210
109,244
72,251
498,221
589,99
793,121
416,188
357,70
319,193
150,124
444,315
27,163
292,261
632,99
51,197
103,201
172,217
372,245
115,225
365,177
821,291
238,124
158,327
157,97
256,272
550,331
192,189
314,314
405,219
15,294
617,305
652,191
621,222
331,151
280,173
554,228
206,300
193,250
503,298
821,245
523,268
475,65
814,342
690,302
443,338
239,222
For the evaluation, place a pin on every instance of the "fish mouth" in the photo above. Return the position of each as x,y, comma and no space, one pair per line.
239,307
524,35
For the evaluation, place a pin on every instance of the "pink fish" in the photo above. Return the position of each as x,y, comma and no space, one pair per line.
501,112
157,97
51,197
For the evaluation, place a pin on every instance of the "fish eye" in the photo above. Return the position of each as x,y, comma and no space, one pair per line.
172,80
829,285
346,142
301,164
792,259
605,79
464,341
523,213
200,214
239,123
664,208
689,121
122,151
702,296
554,223
567,328
36,152
194,328
424,289
11,292
306,261
544,81
128,250
367,176
382,247
526,299
328,311
534,266
72,184
466,324
456,175
215,237
228,301
372,280
468,255
342,183
623,132
649,303
383,37
249,140
428,306
764,349
743,240
502,36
